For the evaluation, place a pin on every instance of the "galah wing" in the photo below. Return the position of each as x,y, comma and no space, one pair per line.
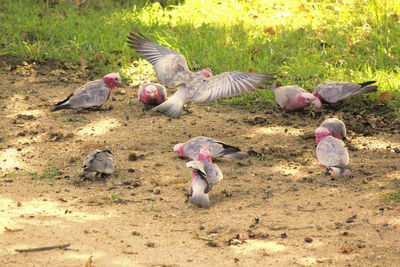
170,66
332,154
333,92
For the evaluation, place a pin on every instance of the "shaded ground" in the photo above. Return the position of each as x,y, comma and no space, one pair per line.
262,213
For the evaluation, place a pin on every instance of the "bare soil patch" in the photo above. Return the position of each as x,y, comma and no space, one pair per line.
276,207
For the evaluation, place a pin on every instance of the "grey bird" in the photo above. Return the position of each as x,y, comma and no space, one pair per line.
98,163
333,92
205,176
91,94
336,127
218,149
172,70
332,152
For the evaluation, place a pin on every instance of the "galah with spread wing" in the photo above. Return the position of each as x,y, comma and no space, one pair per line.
333,92
172,70
205,176
98,163
152,94
336,127
92,94
218,149
292,97
331,152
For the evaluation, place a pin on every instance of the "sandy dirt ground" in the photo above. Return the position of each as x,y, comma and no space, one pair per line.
275,208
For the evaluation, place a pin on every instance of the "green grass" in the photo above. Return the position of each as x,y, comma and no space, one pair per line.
49,174
303,41
392,196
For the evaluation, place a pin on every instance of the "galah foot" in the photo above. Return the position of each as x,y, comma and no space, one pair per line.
187,197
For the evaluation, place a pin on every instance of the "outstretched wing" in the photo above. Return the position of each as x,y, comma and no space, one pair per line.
170,66
227,84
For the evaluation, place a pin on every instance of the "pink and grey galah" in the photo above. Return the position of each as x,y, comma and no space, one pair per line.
205,176
92,94
336,127
218,149
172,71
152,94
333,92
292,97
332,153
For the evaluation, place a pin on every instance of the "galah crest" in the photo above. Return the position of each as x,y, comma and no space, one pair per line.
336,127
152,94
98,163
333,92
205,176
331,152
92,94
292,97
172,70
218,149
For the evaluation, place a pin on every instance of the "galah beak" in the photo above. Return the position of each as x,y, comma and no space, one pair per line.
152,95
317,102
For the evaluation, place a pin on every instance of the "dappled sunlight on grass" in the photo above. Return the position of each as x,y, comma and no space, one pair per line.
253,245
100,127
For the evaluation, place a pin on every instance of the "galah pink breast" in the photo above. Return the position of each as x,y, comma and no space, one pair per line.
152,94
92,94
218,149
333,92
292,97
205,176
172,70
332,153
336,127
98,163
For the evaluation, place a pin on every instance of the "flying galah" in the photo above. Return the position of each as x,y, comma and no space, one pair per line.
292,97
218,149
172,70
335,126
331,152
205,175
333,92
92,94
152,94
98,163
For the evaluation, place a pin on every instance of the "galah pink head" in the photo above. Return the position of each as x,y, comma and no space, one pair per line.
321,133
178,149
112,80
304,100
206,73
151,95
317,103
204,154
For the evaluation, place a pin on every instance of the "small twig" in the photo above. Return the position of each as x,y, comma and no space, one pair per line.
42,248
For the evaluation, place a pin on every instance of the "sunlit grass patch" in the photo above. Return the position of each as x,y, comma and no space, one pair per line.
392,196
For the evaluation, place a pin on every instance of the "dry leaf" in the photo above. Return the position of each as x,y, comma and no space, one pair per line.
350,44
270,31
384,98
100,57
346,250
226,43
250,69
89,262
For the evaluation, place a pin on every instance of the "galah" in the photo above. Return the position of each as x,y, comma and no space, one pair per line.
292,97
92,94
336,127
98,163
152,94
172,70
333,92
205,176
331,152
218,149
